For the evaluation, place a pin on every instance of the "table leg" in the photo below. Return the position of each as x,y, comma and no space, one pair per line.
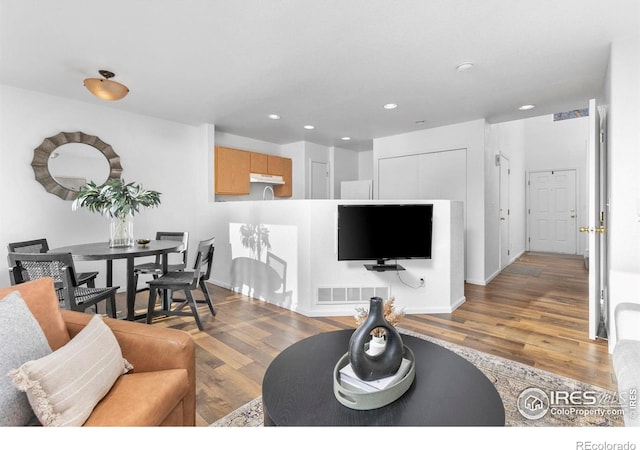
165,268
109,273
131,290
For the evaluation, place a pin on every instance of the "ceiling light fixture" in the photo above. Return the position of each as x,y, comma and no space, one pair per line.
526,107
346,138
390,106
105,88
464,67
273,116
309,127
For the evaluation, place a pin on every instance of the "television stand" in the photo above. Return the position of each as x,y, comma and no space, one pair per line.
382,267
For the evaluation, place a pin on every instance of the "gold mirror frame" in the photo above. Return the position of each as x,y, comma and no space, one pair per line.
41,154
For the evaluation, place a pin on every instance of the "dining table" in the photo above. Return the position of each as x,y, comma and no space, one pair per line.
96,251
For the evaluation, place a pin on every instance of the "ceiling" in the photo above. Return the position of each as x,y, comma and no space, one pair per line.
329,63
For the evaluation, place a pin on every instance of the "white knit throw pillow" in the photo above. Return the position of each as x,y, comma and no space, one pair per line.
64,386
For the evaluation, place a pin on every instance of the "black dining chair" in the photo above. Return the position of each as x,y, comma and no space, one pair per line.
60,267
186,281
42,246
155,268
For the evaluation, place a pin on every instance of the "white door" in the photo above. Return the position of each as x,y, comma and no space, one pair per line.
597,243
552,211
425,176
443,175
319,180
398,178
603,219
505,212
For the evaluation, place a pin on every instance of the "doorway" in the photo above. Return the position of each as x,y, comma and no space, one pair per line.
551,198
319,180
596,229
505,212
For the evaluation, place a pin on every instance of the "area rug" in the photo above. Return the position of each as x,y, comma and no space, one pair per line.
598,407
522,270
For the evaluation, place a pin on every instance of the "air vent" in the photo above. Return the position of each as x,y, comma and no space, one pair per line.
351,294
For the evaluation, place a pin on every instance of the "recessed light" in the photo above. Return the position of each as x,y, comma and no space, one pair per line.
273,116
390,106
346,138
526,107
309,127
464,67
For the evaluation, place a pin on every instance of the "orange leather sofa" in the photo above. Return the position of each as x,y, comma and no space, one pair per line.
159,391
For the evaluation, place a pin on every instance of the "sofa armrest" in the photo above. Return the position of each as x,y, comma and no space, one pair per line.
627,317
148,348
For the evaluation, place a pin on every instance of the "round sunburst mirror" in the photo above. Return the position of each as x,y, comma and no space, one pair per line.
65,162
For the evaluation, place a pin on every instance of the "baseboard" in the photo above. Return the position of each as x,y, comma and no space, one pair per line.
492,276
332,310
496,273
437,310
477,282
515,257
222,284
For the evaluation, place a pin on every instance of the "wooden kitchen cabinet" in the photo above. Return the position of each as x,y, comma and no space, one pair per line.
259,163
232,168
275,165
286,189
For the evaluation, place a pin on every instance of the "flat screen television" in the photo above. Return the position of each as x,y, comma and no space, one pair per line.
384,232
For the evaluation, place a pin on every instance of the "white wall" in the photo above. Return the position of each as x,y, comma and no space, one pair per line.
345,168
245,143
303,233
163,156
365,165
509,141
537,144
492,206
317,153
295,151
470,136
623,95
560,145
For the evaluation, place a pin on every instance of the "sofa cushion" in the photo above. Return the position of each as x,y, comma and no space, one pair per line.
22,340
41,298
626,364
142,399
64,386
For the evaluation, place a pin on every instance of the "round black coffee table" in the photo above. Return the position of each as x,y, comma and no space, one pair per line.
297,389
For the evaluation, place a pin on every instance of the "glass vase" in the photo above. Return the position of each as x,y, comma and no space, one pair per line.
121,231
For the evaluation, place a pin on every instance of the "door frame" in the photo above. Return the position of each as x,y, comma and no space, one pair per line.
597,222
502,202
604,222
311,179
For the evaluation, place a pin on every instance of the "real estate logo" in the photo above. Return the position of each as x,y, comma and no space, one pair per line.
533,403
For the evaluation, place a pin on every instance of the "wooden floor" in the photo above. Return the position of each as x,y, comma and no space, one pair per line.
534,312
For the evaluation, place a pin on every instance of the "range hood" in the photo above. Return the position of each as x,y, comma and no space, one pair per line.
264,178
